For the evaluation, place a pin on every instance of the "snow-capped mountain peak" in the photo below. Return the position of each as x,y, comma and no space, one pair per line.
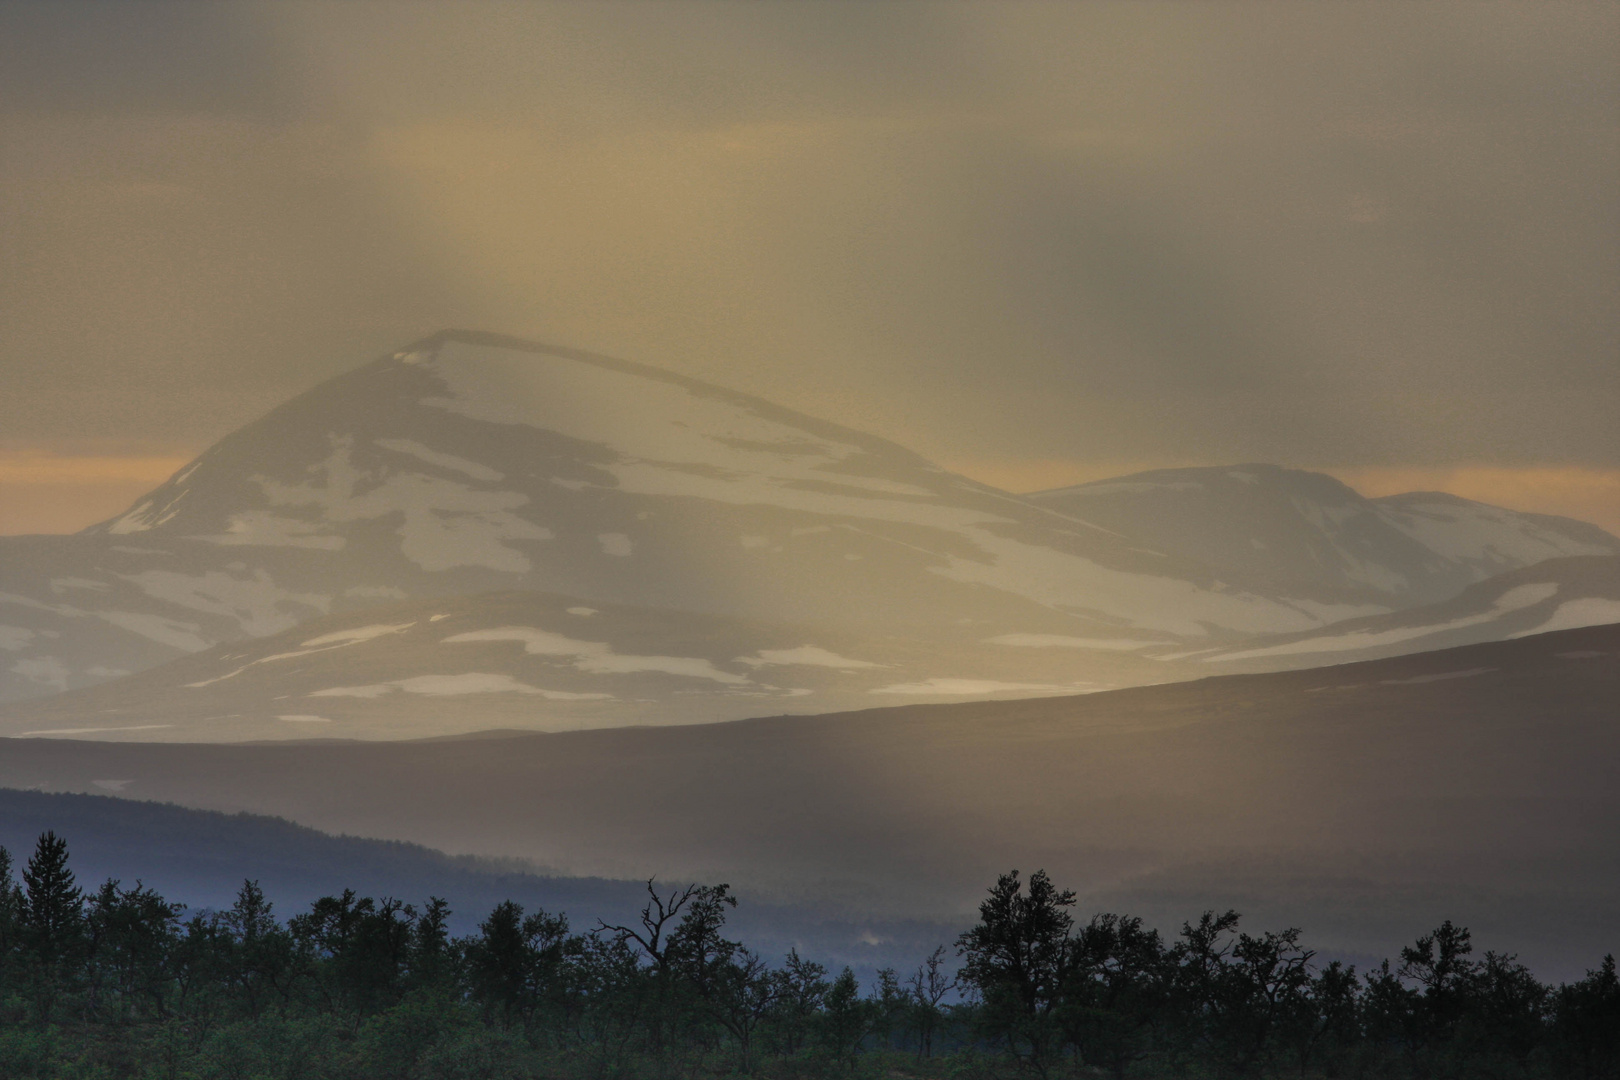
1276,529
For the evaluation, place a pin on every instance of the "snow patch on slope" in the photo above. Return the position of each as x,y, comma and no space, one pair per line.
598,657
358,634
1478,533
1063,641
1516,598
804,655
441,459
969,687
170,632
445,524
472,682
261,528
256,603
1574,614
15,638
44,671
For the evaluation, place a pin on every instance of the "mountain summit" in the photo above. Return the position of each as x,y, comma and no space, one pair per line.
470,464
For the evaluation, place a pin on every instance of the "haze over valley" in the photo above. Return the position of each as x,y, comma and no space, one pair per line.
795,488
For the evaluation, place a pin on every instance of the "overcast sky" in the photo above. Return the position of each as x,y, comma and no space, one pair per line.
1036,243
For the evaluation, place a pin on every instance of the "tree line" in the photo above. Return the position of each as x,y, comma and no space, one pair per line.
120,982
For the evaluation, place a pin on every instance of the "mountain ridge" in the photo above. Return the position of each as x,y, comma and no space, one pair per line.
1271,527
474,463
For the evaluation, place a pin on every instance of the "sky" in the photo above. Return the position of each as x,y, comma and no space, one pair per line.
1039,244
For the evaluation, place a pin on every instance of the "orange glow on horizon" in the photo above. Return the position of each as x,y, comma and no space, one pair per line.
43,492
1565,490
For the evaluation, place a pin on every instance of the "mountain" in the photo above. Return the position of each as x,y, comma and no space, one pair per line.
1560,594
547,662
1365,802
1276,530
471,463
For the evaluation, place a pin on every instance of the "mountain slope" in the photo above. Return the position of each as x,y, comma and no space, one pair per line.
1274,529
1560,594
471,463
545,662
1366,801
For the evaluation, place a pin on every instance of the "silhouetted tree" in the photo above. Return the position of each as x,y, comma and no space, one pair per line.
132,934
514,963
929,986
1504,1015
115,985
662,996
1016,959
1585,1039
803,988
1115,991
260,956
52,924
1322,1022
844,1020
11,920
1438,965
431,962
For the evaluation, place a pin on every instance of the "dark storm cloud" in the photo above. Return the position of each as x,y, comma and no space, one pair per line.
1354,234
118,58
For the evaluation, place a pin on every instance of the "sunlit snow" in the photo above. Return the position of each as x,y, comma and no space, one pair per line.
171,632
1574,614
1516,598
358,634
257,603
15,638
596,656
472,682
615,544
973,686
806,655
443,523
1062,641
441,459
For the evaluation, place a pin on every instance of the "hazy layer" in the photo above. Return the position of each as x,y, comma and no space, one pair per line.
1353,236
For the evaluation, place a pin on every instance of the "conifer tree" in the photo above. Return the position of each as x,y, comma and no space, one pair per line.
52,924
53,905
10,920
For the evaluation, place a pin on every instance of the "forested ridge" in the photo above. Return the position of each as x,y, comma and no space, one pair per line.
118,981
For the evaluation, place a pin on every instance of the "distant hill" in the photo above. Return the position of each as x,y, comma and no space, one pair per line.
1273,529
201,858
1364,801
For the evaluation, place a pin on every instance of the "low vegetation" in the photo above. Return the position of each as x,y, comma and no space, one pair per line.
121,982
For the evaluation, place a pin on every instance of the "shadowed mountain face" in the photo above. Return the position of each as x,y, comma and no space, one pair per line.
1365,802
1277,530
471,463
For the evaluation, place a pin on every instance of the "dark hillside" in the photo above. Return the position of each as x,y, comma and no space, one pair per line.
1365,801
